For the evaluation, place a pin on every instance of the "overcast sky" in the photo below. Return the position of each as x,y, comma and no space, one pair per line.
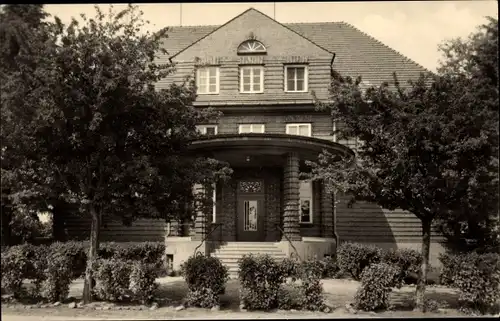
414,28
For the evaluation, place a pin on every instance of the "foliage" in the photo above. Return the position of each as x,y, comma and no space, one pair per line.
88,128
290,297
353,258
407,260
477,276
14,263
57,277
75,252
260,279
330,268
376,285
311,289
112,279
206,278
290,268
430,148
147,252
142,281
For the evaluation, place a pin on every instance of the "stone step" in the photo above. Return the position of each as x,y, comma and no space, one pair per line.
250,245
241,252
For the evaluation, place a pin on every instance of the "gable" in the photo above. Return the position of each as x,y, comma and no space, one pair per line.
278,39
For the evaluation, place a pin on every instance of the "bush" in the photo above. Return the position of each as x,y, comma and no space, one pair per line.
289,298
75,252
377,282
142,281
311,289
409,261
57,277
22,262
112,278
353,258
330,268
206,278
290,268
147,252
477,276
260,279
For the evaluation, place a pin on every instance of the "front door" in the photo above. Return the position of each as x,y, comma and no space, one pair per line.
251,218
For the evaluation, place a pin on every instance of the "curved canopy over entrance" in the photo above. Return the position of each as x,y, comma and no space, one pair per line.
267,149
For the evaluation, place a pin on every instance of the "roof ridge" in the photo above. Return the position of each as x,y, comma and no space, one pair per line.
386,46
300,35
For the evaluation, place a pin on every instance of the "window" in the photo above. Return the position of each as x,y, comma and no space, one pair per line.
251,46
207,129
296,78
207,80
306,202
252,79
298,129
251,128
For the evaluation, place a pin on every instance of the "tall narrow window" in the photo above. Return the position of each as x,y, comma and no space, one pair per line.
207,129
296,78
306,202
252,79
251,128
298,129
207,80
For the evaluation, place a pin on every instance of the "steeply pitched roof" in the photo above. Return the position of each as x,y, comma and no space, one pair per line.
357,53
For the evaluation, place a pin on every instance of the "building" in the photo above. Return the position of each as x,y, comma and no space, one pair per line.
261,74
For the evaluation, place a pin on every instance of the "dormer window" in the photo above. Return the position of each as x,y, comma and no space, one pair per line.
251,47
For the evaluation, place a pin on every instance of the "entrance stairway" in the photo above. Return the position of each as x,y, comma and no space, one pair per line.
230,253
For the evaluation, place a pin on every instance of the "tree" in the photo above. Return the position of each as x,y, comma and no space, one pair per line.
22,34
430,149
101,137
473,63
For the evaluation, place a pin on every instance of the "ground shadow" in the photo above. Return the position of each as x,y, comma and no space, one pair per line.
404,301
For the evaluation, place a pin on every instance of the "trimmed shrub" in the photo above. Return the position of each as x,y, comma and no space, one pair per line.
57,277
260,279
330,268
289,297
450,265
75,252
377,282
290,268
353,258
409,261
206,278
142,281
147,252
112,278
311,289
477,276
22,262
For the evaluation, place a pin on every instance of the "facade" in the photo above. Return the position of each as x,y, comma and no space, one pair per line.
262,75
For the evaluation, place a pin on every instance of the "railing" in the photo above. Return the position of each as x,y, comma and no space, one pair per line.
214,227
289,241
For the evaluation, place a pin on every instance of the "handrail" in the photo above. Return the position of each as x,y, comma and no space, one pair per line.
289,241
207,235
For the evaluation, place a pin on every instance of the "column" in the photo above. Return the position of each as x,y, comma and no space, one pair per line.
291,225
326,211
202,213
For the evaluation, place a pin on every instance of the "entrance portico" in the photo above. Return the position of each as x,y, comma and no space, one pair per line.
261,202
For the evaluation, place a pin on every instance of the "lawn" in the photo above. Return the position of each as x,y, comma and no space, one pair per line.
173,289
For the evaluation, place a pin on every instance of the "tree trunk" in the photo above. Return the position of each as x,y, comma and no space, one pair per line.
92,255
59,214
422,280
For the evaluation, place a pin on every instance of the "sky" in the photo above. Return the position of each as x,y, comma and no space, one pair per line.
414,28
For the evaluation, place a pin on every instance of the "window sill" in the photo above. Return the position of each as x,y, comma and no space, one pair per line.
296,91
207,93
251,92
306,224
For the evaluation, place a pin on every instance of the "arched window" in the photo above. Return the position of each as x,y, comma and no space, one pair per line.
251,46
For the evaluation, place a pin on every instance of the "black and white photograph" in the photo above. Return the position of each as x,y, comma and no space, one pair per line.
241,160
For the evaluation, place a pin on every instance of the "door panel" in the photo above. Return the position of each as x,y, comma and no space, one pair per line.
250,223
